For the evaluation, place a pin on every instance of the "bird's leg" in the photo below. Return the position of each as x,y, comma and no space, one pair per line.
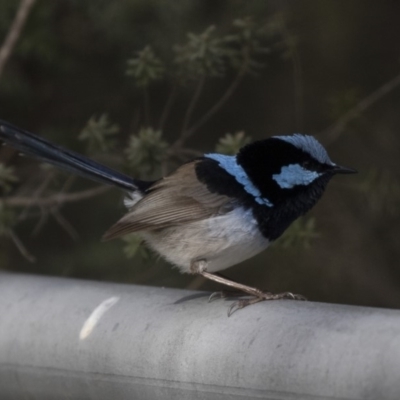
200,267
224,294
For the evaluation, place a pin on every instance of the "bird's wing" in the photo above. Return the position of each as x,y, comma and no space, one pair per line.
177,199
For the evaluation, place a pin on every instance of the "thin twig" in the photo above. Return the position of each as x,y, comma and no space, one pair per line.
334,131
216,107
192,105
297,75
44,216
298,91
167,108
37,193
68,184
14,32
59,198
135,122
20,246
66,225
146,99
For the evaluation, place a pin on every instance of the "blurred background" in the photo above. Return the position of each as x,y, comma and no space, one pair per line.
143,85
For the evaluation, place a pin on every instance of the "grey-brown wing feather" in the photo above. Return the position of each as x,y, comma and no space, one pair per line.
177,199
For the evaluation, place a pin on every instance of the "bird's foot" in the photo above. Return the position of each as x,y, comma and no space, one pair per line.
264,296
252,295
284,295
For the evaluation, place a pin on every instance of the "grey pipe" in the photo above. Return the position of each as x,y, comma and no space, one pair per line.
71,339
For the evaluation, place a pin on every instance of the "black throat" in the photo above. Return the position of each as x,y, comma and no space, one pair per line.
272,221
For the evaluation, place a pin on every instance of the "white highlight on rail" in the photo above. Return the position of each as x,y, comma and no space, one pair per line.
95,317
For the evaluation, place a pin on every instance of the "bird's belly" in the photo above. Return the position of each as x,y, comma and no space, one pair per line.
222,241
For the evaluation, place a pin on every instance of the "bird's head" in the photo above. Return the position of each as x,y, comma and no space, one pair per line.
292,170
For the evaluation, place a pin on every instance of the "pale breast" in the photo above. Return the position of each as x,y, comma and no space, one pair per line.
222,240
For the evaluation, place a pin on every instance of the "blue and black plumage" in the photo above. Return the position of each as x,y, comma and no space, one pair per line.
282,177
212,212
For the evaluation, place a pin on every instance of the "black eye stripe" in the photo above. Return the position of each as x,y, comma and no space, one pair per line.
312,165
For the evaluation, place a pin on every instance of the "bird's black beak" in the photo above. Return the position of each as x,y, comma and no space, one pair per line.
337,169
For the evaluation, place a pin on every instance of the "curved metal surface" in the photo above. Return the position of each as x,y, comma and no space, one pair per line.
71,339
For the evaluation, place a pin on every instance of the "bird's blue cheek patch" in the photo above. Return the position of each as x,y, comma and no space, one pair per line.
229,164
293,175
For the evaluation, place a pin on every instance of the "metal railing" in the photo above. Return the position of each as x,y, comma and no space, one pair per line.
71,339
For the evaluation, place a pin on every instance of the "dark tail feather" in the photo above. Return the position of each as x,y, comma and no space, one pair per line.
40,148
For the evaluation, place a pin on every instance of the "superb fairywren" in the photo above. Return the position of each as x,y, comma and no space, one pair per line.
212,212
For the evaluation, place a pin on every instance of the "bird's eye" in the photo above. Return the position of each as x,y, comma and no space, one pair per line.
306,164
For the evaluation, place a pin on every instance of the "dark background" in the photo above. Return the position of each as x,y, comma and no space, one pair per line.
69,64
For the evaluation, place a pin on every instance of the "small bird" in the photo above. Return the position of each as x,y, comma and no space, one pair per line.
215,211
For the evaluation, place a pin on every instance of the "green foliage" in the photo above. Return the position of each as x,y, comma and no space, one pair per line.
382,191
145,68
231,143
203,55
7,178
300,233
98,134
287,42
134,246
145,152
210,54
249,40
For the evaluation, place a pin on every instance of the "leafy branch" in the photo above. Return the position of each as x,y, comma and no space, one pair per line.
98,133
230,144
145,152
212,57
214,109
146,68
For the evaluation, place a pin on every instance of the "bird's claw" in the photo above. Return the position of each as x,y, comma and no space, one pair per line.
286,295
264,296
224,294
215,295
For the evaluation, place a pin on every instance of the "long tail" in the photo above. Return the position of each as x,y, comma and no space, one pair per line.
40,148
